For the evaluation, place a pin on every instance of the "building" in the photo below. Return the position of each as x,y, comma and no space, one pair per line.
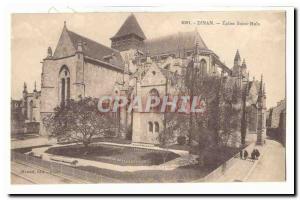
133,65
275,115
276,121
17,117
25,113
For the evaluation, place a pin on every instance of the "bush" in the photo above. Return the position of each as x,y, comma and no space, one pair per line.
181,140
109,134
74,162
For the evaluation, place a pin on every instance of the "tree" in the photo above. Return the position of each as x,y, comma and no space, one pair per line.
207,87
174,123
79,121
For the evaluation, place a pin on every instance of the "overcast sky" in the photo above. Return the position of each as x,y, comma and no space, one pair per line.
262,46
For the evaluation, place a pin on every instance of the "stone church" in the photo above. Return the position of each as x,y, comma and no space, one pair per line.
133,65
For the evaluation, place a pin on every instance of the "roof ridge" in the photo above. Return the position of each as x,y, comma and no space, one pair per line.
168,35
91,40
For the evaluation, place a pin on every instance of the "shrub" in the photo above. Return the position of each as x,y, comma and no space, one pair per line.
109,134
181,140
74,162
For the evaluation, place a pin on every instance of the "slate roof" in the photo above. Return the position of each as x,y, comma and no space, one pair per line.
96,50
174,44
130,26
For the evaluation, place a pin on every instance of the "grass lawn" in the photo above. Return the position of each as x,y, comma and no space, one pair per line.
115,154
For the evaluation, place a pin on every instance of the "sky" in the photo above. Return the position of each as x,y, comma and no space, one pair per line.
262,46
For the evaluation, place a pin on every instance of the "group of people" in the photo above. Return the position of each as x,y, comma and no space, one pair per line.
254,154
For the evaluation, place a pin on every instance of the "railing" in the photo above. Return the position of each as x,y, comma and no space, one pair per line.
57,168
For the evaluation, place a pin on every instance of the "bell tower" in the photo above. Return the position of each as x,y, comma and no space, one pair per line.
129,36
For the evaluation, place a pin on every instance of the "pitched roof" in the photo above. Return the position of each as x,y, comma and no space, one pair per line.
130,26
176,44
68,43
96,50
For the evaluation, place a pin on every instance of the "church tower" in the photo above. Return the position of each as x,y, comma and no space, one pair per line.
129,36
237,58
244,69
236,71
239,68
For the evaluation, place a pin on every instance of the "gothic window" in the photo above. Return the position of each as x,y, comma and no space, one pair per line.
64,85
150,127
203,67
68,88
156,125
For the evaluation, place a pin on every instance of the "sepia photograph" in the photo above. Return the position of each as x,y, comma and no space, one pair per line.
148,97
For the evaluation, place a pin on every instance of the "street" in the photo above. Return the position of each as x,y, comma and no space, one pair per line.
269,167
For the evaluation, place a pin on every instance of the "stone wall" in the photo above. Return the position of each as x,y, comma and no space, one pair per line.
275,118
99,80
140,129
50,82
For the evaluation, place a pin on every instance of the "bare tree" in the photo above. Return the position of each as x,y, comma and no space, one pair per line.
79,121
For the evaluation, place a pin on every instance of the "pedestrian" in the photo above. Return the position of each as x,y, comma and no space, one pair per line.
257,153
241,154
253,154
245,154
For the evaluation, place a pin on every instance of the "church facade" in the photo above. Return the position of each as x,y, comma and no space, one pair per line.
134,66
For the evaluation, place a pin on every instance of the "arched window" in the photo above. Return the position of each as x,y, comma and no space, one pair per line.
64,85
150,127
31,110
203,67
156,127
154,93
